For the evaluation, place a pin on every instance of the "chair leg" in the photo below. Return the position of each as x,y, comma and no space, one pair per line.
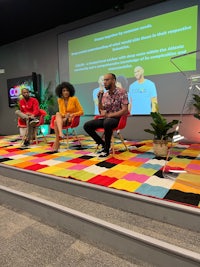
122,139
73,130
24,136
67,135
35,134
112,144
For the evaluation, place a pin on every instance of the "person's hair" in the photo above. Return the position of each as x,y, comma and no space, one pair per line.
113,76
24,88
124,82
66,85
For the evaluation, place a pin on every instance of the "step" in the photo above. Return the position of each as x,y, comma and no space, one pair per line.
28,242
160,210
158,243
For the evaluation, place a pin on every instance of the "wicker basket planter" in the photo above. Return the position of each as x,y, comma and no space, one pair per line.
160,148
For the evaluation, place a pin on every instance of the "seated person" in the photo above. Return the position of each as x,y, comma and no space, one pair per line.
29,112
112,105
69,106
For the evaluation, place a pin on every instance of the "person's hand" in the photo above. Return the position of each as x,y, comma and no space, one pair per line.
67,115
103,113
100,95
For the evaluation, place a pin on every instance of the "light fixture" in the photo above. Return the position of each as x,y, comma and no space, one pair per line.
2,71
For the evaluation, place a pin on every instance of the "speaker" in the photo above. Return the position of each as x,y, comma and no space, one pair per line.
36,78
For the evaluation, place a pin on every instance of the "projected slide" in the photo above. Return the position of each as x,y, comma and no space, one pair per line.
150,43
138,46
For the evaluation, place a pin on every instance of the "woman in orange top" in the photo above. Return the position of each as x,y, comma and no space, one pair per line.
69,106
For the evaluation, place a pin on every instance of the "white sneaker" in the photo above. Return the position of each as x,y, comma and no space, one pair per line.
103,155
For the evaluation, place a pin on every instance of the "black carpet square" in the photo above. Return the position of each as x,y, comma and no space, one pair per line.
187,198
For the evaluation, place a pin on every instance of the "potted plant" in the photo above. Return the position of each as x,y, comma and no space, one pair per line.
161,132
48,102
196,105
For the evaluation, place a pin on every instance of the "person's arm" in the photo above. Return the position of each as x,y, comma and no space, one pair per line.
154,104
154,99
100,106
36,107
119,113
61,107
79,109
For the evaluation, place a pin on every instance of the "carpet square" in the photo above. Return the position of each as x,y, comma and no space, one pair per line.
153,191
183,197
112,173
141,178
81,175
102,180
35,167
106,164
125,185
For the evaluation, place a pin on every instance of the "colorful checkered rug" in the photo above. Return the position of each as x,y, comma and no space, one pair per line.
137,170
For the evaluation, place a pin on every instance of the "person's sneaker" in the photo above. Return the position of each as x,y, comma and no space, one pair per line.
34,122
100,150
26,143
103,154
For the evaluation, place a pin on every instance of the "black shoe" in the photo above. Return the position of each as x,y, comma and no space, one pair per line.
26,143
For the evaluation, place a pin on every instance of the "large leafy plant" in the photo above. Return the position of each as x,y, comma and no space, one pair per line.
161,127
196,104
47,101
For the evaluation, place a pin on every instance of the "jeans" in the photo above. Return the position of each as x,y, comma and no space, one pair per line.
108,124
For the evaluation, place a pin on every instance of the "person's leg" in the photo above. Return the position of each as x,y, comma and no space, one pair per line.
58,125
109,124
25,117
21,114
30,133
90,128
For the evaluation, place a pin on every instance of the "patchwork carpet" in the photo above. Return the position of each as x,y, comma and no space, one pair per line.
137,170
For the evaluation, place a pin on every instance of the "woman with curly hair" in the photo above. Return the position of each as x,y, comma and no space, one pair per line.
69,106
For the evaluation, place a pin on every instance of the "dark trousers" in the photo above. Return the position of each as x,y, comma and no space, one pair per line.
108,124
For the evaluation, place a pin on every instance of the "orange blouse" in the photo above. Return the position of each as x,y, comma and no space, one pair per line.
73,106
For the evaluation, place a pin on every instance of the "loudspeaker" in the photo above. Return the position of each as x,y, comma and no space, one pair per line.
36,78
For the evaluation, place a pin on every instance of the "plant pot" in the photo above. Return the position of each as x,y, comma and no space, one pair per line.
160,148
45,129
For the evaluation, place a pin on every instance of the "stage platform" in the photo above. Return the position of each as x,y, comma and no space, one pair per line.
137,171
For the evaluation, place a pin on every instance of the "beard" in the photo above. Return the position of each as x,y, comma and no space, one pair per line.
108,87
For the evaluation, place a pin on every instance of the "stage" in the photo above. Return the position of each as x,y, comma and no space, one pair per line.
137,171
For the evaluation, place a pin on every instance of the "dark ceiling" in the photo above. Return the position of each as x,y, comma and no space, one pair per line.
23,18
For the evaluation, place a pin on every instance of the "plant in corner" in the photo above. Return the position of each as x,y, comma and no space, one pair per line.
47,101
161,132
196,105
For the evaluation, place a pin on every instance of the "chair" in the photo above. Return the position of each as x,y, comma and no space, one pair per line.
22,124
74,123
121,125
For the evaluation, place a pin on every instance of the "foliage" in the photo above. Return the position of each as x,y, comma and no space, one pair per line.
196,104
47,101
160,127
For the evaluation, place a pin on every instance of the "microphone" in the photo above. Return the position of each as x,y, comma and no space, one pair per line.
100,95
